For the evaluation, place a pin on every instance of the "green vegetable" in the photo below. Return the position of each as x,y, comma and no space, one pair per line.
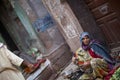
116,75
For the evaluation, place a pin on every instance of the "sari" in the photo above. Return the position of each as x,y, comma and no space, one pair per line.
98,66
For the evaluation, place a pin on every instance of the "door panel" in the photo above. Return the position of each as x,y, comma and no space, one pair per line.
102,11
94,4
106,32
114,29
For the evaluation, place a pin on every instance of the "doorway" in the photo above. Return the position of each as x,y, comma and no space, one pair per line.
105,14
7,38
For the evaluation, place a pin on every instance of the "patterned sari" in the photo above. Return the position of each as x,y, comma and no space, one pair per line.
98,67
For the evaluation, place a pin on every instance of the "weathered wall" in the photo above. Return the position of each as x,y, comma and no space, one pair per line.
69,25
8,17
22,10
46,27
57,49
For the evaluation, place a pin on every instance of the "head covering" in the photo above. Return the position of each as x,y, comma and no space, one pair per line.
86,47
83,34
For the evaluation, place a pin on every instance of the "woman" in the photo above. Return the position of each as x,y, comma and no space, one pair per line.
92,58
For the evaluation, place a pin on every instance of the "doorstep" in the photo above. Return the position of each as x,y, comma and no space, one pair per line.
71,66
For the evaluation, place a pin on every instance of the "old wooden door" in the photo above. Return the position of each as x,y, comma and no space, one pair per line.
107,17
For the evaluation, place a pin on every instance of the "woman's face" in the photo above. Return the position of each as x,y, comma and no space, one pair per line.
86,40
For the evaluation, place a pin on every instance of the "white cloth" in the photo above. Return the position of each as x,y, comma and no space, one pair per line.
7,60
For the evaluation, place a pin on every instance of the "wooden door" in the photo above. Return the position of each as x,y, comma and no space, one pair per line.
107,17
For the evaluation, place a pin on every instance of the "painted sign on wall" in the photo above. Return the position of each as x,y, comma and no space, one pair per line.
44,23
70,31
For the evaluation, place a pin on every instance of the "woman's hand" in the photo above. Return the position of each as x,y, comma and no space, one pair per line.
86,65
75,60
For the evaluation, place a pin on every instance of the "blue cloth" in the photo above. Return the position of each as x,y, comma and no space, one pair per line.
83,34
101,51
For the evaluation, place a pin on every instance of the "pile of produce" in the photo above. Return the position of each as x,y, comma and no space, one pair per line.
116,75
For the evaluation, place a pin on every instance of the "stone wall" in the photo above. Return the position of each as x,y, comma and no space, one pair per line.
69,25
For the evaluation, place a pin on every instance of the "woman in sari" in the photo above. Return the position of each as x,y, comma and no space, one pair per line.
92,58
